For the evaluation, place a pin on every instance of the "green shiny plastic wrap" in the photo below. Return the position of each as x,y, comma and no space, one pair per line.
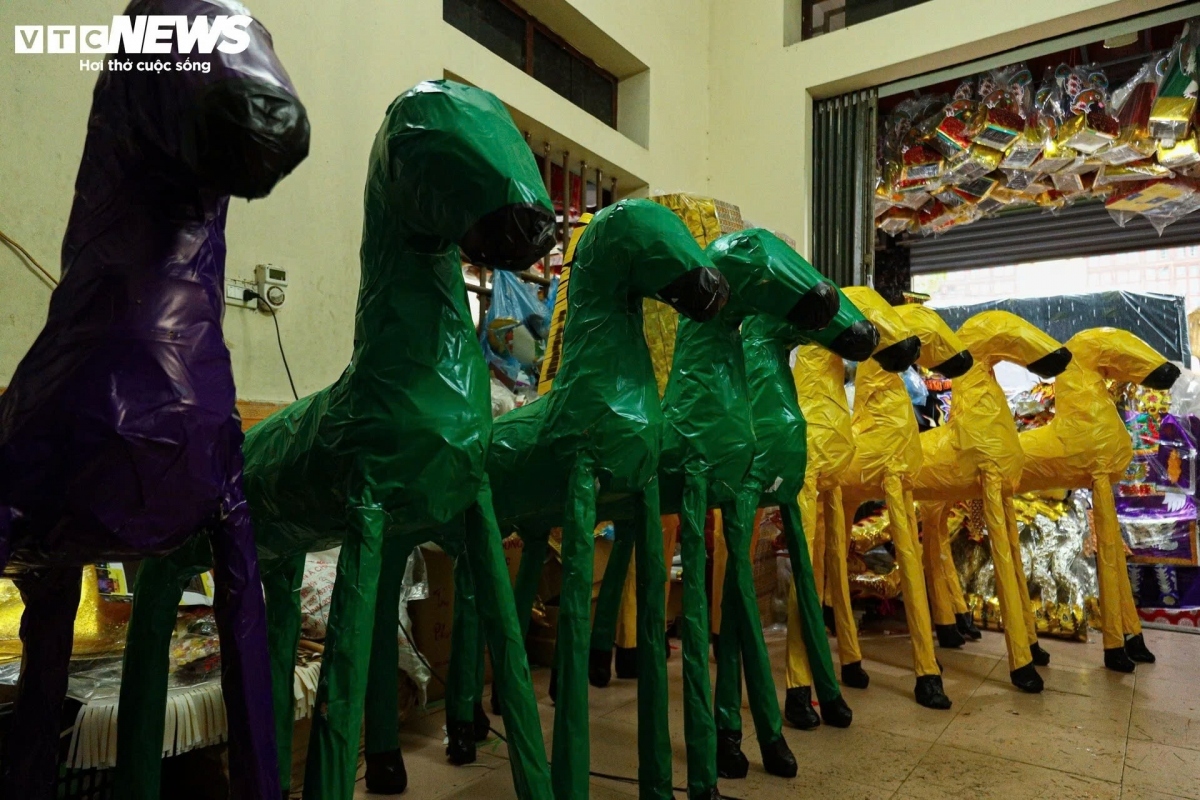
707,455
397,446
776,478
596,438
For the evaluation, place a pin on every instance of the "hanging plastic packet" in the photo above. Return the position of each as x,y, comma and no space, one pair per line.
1170,119
1050,106
896,221
1137,171
1001,92
1090,128
1134,101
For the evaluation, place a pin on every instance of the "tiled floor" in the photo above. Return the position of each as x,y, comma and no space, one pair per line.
1091,734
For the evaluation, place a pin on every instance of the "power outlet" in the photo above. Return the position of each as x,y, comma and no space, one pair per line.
235,292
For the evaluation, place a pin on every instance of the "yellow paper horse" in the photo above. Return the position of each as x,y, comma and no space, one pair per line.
977,453
887,459
820,390
1086,446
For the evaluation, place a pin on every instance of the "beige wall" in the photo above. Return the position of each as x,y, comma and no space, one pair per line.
762,92
729,107
348,65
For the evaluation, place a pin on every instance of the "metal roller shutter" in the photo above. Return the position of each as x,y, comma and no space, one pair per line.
843,186
1032,235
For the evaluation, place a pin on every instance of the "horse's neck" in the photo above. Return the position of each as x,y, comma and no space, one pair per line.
132,235
603,326
412,305
708,371
970,392
1077,390
772,386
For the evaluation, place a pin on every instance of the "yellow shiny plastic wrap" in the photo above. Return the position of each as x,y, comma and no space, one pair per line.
558,317
820,389
1087,436
1087,445
99,625
980,434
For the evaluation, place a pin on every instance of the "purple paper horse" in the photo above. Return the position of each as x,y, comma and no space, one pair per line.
118,434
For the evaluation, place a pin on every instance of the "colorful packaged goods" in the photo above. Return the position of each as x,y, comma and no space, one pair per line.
997,143
1170,119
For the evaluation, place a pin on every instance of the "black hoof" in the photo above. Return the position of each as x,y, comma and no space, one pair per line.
460,743
1135,648
1040,656
599,668
1116,659
929,692
483,725
854,676
830,620
835,712
798,710
385,773
627,668
1026,679
496,707
731,761
705,794
966,626
778,759
949,636
552,689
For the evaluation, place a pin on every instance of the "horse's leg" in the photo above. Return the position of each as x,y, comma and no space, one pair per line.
281,587
158,588
834,710
342,688
929,691
1135,642
837,589
934,547
1040,657
466,656
241,617
608,606
529,575
698,726
385,761
1111,573
571,745
727,699
948,575
810,496
1020,662
654,735
51,598
506,641
764,703
797,708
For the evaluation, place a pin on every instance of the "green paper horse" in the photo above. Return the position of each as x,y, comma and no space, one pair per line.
388,457
598,435
776,479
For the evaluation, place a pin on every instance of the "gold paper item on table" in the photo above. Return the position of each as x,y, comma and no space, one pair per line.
880,587
870,532
100,624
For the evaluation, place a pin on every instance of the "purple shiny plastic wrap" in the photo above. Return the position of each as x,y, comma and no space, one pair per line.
118,433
